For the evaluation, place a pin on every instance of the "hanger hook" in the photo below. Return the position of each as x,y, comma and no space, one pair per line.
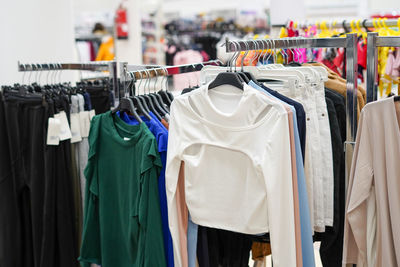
255,52
60,72
163,78
147,81
41,68
129,87
230,62
283,53
48,73
140,82
155,83
266,42
238,53
260,51
23,73
245,55
166,78
232,58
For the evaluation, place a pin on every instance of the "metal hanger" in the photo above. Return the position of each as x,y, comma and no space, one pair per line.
137,103
140,96
155,100
163,93
163,106
148,99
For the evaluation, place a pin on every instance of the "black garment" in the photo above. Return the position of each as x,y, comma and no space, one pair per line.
300,115
41,232
10,243
202,247
25,122
332,239
225,248
340,106
100,99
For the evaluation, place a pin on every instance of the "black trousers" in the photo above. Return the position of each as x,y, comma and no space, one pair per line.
39,188
9,216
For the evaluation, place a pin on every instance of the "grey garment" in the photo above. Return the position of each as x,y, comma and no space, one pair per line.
82,157
82,152
76,177
74,104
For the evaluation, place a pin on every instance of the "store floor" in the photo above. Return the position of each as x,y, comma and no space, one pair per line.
316,253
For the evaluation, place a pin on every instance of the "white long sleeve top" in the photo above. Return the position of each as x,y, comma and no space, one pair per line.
236,149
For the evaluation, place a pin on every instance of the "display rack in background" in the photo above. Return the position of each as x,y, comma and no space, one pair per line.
152,36
373,43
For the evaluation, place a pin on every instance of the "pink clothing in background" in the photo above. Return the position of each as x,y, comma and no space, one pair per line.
182,81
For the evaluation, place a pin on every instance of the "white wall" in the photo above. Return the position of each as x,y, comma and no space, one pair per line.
385,6
190,7
37,31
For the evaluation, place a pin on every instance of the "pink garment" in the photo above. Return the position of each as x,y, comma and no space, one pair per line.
389,64
301,55
182,81
396,65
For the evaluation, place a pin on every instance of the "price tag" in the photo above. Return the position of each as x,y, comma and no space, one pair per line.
65,131
84,121
53,132
92,113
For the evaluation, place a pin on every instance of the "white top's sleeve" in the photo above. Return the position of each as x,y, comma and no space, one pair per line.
277,171
171,180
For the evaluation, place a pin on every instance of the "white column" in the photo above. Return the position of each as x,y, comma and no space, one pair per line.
130,50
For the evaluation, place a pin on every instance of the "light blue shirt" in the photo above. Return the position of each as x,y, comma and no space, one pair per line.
307,247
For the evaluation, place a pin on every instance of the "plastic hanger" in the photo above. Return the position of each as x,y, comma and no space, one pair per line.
209,73
226,78
126,105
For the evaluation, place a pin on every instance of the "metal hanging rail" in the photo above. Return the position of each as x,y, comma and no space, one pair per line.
373,42
110,66
349,42
101,66
348,24
146,73
298,42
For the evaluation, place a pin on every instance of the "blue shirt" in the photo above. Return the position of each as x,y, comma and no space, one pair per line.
161,135
305,223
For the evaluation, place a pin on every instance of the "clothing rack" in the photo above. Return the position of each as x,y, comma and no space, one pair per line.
349,42
110,66
373,42
348,24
